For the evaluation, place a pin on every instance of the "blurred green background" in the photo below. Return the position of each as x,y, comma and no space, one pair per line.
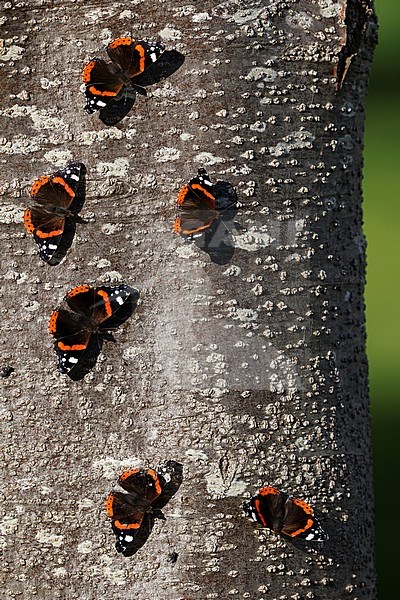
381,218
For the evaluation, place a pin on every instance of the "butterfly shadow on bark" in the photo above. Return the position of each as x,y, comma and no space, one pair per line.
89,357
117,108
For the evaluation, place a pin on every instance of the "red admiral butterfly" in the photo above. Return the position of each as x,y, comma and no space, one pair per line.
284,514
196,206
86,312
59,199
105,81
128,511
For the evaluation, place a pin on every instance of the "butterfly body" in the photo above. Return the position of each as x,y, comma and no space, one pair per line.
128,510
145,493
107,81
84,313
284,514
57,199
196,206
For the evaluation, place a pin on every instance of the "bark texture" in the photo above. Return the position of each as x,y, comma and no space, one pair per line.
247,373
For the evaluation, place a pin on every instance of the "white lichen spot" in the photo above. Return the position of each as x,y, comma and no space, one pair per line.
170,34
111,228
111,467
119,168
247,15
112,277
217,362
186,251
186,136
232,271
12,52
41,118
167,154
45,537
261,74
87,138
330,8
207,159
126,14
196,455
8,525
201,17
216,486
58,157
102,263
294,141
129,133
252,240
10,214
60,572
46,84
300,20
131,353
106,36
85,547
32,306
105,567
245,315
19,144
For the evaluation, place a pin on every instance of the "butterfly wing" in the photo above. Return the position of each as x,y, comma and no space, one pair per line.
47,230
267,507
143,485
131,57
189,223
299,522
103,82
128,511
74,176
126,519
71,338
121,302
99,304
121,508
56,197
196,204
198,193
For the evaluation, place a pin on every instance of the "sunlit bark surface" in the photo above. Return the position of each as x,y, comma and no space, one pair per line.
248,372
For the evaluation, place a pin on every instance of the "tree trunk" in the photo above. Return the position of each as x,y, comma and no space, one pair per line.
247,373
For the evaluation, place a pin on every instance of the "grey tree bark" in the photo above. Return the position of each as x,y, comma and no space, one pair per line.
247,373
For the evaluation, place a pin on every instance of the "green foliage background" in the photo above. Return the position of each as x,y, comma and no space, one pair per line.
381,217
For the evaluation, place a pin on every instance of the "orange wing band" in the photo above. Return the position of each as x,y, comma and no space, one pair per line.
259,513
265,491
36,185
196,186
127,474
87,71
78,290
75,347
309,524
107,304
29,226
127,525
53,321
